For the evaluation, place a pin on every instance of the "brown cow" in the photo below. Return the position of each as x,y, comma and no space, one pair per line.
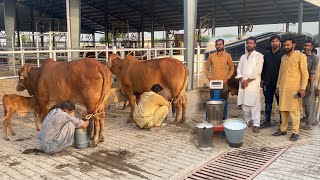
137,77
86,82
21,105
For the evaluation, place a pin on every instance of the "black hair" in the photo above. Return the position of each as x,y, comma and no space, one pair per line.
290,39
314,51
252,38
64,105
275,37
156,88
308,41
220,40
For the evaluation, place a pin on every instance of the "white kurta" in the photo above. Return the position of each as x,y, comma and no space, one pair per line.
250,68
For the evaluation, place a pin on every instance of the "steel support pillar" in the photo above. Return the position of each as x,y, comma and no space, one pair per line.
300,17
319,30
213,33
9,22
152,24
142,24
75,23
287,27
106,22
190,14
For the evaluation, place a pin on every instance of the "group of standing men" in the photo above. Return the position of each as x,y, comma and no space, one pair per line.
289,75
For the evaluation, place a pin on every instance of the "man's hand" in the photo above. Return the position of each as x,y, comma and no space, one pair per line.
261,84
244,83
85,124
318,93
308,91
225,81
277,90
302,93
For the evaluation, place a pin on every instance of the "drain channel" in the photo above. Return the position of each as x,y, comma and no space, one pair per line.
239,164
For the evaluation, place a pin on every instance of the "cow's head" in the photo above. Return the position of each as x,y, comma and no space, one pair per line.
28,77
23,75
115,64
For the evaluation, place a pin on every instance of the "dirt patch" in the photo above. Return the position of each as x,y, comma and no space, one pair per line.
113,161
32,151
22,139
14,163
4,158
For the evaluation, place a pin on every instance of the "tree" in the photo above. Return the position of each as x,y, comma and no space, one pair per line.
103,40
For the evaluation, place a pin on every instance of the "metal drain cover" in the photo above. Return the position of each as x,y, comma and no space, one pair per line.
239,164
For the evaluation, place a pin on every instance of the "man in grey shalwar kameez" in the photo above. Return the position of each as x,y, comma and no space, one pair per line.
57,129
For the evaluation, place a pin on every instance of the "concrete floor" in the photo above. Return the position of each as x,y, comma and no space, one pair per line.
131,153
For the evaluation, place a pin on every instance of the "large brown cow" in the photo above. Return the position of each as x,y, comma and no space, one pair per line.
138,76
86,82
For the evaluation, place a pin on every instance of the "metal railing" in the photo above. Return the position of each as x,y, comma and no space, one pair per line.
21,55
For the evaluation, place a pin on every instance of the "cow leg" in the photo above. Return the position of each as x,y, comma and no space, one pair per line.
36,121
101,132
184,109
178,109
94,142
131,102
5,122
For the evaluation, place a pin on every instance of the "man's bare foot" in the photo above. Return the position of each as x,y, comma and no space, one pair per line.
154,128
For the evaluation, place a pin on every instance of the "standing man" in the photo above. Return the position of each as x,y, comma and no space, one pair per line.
249,74
219,66
291,86
310,98
269,76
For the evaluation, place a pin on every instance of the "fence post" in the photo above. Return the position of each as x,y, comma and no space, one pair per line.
122,54
198,65
114,49
171,51
148,54
107,55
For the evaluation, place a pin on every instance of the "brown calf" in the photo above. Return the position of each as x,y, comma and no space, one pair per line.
21,105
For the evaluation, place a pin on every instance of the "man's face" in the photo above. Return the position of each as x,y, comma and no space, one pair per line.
288,46
275,43
219,46
307,47
250,45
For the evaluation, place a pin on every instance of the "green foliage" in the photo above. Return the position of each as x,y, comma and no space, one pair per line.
104,40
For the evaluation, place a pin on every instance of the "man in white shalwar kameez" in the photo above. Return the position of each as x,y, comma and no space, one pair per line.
249,75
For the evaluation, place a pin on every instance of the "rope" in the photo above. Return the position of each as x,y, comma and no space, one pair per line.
89,116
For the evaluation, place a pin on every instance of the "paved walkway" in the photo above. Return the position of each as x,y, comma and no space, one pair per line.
131,153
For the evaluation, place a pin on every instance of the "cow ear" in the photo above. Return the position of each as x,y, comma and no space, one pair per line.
26,70
109,63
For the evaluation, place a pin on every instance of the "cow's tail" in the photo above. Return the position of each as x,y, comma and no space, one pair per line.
181,92
104,89
4,102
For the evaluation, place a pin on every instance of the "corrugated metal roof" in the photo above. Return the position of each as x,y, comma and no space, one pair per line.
167,13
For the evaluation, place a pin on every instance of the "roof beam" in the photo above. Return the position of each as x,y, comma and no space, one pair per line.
55,15
225,10
112,16
145,12
275,4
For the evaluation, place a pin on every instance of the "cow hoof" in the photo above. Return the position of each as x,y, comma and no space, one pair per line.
182,121
38,129
6,138
13,134
101,139
176,122
93,145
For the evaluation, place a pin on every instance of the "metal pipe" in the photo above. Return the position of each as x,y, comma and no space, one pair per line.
68,28
300,17
319,30
152,24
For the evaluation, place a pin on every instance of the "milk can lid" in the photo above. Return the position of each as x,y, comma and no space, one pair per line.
214,102
204,125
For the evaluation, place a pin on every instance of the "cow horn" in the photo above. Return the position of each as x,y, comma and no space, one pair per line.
109,63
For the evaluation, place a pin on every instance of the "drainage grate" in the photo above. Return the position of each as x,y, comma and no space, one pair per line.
239,164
